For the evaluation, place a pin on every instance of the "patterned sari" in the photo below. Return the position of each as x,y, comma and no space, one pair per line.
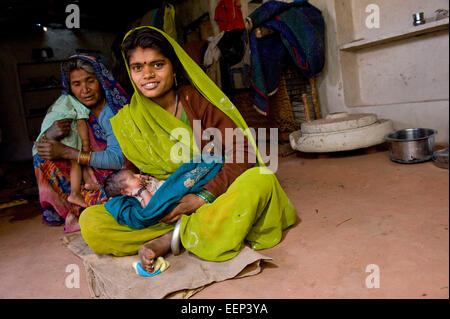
53,177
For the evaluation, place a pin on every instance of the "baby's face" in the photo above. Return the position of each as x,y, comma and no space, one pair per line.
133,182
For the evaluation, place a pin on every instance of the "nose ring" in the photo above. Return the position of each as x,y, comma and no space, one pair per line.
152,75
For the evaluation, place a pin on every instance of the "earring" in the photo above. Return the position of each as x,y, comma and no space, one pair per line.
175,79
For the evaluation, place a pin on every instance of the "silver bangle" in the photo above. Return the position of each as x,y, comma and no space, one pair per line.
175,244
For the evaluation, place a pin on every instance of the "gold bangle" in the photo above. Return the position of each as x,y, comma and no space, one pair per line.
83,157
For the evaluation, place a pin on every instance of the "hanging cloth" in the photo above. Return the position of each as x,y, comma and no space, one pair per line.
228,15
169,26
299,33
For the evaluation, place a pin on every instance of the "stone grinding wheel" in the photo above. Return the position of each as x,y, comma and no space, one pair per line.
340,132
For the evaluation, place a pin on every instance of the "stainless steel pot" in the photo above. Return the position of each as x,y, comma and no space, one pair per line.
411,145
440,158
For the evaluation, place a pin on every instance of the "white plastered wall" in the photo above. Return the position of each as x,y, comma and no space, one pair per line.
404,80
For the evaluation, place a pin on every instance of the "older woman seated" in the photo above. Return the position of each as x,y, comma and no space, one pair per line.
85,80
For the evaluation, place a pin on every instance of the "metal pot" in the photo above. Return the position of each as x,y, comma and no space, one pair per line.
411,145
440,158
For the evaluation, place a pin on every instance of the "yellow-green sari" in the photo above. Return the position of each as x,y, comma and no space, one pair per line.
254,209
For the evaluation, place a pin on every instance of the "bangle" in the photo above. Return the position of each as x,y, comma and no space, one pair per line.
207,196
89,159
201,196
84,157
175,242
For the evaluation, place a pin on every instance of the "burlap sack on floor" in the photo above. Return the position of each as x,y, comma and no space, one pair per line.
114,277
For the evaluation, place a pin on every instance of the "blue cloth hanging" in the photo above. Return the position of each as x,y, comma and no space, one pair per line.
299,33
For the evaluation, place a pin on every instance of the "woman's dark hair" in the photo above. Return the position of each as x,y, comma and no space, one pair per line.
149,38
114,183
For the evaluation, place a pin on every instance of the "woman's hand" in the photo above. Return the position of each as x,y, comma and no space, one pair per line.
58,130
53,150
188,204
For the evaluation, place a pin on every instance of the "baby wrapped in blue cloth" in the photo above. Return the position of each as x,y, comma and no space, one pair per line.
126,208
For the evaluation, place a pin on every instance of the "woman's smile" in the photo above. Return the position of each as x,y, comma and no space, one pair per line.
150,85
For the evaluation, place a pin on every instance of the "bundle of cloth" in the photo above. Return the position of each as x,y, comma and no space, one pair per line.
190,177
299,33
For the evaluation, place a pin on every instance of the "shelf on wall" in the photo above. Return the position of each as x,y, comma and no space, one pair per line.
428,27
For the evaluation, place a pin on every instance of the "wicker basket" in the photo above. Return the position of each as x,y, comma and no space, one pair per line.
296,85
281,112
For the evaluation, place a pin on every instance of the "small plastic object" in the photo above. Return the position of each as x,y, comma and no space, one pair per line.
142,272
160,265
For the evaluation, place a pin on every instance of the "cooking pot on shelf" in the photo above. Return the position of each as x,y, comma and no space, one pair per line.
411,145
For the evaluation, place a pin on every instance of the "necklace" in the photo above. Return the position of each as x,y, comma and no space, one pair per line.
176,105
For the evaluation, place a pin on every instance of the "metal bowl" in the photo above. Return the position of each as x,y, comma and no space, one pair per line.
411,145
440,158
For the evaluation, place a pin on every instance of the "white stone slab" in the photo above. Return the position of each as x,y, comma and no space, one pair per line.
336,122
343,140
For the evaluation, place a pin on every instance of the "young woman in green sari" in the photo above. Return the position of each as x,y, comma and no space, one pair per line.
167,124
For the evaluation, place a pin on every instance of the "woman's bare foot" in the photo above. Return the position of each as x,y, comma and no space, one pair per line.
157,247
76,199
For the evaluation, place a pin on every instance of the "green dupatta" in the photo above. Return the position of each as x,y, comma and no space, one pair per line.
148,134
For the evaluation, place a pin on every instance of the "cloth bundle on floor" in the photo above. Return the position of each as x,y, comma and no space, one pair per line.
299,33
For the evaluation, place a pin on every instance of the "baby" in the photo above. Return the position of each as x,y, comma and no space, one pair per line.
68,107
125,182
155,199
